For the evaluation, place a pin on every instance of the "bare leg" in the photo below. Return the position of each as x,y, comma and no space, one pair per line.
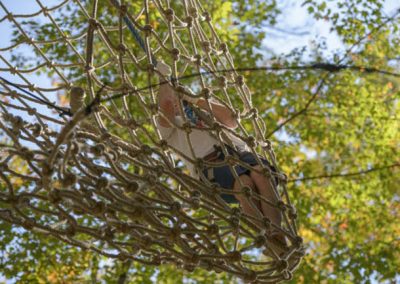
243,200
265,189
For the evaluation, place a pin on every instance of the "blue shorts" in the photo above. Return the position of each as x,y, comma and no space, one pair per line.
223,176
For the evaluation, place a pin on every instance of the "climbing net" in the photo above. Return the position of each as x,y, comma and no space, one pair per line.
99,175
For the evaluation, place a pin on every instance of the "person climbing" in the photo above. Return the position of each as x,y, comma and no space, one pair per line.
207,147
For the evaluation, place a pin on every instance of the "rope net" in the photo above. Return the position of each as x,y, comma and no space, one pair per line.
99,175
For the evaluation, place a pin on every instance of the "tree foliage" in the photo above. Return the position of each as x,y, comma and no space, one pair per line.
336,135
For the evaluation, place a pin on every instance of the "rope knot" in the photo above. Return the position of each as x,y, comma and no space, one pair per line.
223,47
123,256
176,207
292,212
70,230
13,70
267,223
156,260
213,229
163,144
189,21
151,179
122,227
10,17
250,276
23,201
146,149
234,256
105,136
46,169
170,14
194,259
235,221
99,208
98,149
298,241
267,145
26,154
187,127
189,267
206,46
17,122
175,52
153,108
193,12
281,205
207,16
216,126
122,48
151,68
236,212
251,141
137,213
267,172
147,30
248,192
240,80
68,180
207,265
147,241
132,187
259,241
281,265
50,64
223,82
54,196
89,68
93,23
32,111
45,11
206,93
123,8
159,170
174,233
13,200
284,177
37,130
253,112
199,163
195,200
132,124
198,59
102,183
28,223
107,233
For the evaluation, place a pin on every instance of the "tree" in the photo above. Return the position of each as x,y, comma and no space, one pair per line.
335,133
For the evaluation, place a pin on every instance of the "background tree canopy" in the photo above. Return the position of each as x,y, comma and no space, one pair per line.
335,132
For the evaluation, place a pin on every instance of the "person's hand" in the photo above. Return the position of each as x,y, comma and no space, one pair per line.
164,68
189,95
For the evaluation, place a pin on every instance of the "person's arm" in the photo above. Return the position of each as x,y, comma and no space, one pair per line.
167,101
223,114
169,104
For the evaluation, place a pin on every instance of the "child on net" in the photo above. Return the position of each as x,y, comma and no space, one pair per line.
207,147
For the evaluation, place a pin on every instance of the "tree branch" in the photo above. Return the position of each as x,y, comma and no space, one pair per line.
363,172
303,110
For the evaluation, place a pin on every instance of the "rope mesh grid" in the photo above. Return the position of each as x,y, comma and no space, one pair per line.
124,194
